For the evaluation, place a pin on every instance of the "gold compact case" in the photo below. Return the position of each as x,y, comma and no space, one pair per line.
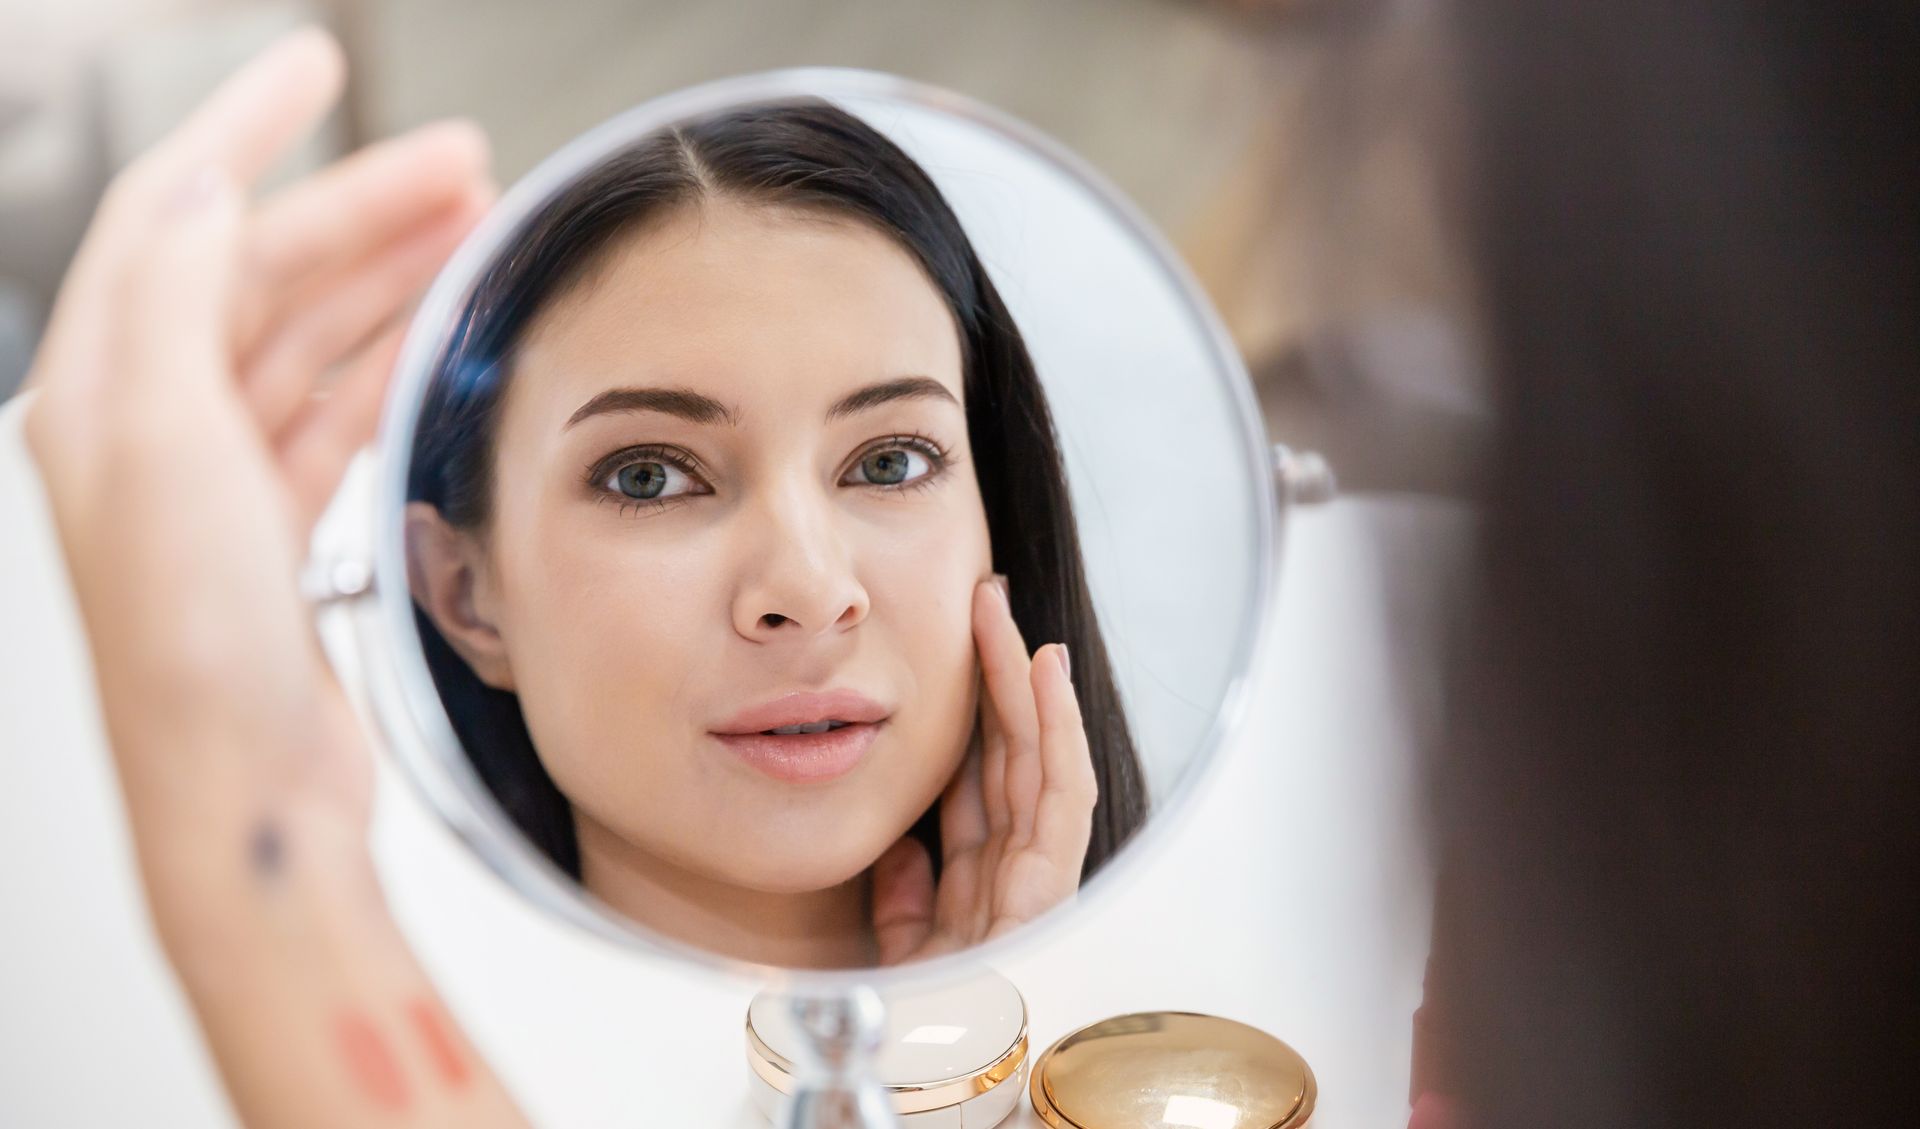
1160,1068
953,1057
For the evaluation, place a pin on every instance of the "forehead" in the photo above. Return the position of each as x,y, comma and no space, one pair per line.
767,308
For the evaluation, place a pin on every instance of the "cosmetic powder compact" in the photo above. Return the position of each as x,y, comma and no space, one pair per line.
952,1057
1163,1068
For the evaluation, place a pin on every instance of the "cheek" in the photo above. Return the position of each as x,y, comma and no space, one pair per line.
924,589
925,561
920,578
601,627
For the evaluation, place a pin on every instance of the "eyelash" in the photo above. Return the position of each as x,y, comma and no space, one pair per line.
937,457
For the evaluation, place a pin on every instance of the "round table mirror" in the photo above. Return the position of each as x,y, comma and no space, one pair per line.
819,532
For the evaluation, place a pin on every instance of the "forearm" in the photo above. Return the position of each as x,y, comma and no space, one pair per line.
314,1007
180,355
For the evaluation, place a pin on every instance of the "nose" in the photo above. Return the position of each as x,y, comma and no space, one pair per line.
798,578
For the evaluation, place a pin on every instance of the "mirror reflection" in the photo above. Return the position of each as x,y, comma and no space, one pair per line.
746,562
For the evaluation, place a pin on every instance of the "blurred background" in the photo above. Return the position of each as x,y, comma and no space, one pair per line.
1283,159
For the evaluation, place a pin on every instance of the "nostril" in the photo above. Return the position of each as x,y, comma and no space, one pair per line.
773,619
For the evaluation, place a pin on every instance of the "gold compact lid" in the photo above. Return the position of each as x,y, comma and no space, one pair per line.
1168,1068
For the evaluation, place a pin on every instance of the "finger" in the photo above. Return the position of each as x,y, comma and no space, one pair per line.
358,204
280,375
963,901
964,836
174,297
1024,773
1004,667
902,900
331,222
963,811
317,447
993,764
234,134
1063,823
262,110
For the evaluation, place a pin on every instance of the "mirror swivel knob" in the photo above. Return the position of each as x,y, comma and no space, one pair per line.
329,580
1304,478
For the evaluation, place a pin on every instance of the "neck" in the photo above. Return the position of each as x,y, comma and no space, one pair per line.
828,928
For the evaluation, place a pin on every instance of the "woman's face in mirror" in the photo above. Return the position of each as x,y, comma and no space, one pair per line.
731,467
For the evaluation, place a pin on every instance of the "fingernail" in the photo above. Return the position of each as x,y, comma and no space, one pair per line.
1000,582
1066,661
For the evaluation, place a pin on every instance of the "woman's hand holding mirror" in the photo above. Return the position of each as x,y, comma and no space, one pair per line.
1015,822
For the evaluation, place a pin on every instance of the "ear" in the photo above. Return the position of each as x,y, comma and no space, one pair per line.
446,573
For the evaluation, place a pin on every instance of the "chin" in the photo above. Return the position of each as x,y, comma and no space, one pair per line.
798,868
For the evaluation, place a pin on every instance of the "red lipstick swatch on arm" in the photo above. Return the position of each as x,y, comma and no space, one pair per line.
441,1048
370,1061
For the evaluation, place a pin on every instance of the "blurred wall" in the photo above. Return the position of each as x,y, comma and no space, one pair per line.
1165,96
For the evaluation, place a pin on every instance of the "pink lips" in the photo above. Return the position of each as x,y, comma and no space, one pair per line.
804,756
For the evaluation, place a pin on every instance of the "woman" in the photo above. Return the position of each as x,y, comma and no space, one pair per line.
725,443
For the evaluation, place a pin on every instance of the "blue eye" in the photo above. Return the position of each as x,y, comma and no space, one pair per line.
647,481
891,466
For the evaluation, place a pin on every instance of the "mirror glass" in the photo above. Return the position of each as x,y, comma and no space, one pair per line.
704,455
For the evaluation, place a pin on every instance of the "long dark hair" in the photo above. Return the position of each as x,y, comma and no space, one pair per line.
804,154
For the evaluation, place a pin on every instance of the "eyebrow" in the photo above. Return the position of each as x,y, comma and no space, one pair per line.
698,408
904,388
683,402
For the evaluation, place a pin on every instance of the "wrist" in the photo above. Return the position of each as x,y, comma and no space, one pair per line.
230,887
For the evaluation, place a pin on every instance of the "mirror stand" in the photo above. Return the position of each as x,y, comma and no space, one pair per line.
835,1087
